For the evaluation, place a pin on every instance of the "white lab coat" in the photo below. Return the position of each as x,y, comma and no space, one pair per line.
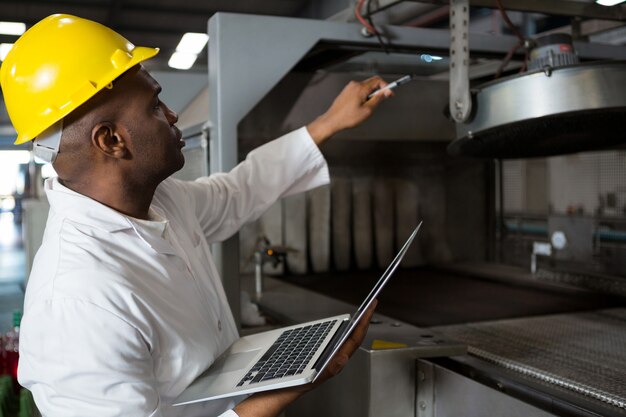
119,318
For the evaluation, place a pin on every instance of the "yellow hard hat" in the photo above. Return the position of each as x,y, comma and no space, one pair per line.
59,64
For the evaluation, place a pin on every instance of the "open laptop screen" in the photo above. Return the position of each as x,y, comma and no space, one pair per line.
347,327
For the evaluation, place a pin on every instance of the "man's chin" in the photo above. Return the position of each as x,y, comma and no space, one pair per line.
182,161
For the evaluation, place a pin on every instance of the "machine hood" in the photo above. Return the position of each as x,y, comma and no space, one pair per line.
547,112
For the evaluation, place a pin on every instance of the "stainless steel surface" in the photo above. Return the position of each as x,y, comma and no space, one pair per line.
581,352
425,405
561,92
443,393
540,94
460,99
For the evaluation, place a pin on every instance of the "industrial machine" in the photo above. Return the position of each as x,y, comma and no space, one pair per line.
515,303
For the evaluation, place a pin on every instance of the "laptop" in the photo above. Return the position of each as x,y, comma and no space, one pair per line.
285,357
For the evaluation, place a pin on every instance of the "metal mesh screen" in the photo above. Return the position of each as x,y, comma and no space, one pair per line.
591,183
583,195
583,353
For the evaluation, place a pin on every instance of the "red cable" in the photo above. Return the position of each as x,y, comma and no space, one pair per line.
510,24
522,42
365,23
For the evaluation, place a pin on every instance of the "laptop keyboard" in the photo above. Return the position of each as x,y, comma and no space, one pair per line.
290,353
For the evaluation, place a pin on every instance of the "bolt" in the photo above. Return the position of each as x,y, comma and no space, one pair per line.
421,375
470,134
458,104
459,115
365,33
422,405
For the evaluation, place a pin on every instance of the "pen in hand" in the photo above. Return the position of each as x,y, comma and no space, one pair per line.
391,85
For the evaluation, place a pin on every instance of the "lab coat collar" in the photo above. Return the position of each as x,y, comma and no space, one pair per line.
87,211
82,209
154,239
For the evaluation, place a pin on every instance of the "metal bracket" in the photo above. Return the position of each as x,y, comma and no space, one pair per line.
425,398
460,100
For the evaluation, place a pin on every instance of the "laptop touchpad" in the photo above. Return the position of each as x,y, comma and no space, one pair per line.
234,361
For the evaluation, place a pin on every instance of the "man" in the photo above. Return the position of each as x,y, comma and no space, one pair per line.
124,306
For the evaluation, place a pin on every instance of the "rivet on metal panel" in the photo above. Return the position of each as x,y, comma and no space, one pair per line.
425,401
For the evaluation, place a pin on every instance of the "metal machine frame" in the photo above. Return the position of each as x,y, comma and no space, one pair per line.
249,55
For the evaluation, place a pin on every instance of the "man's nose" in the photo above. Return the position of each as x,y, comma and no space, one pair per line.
171,115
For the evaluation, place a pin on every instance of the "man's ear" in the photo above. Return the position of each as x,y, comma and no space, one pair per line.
107,139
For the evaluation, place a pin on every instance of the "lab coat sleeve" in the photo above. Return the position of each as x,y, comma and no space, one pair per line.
288,165
81,360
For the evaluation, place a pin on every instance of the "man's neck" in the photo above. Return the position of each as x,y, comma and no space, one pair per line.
129,199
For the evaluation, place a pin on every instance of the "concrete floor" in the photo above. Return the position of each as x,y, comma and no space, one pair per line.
12,270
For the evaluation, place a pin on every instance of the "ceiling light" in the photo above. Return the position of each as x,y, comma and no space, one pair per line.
609,2
4,50
12,28
192,43
181,60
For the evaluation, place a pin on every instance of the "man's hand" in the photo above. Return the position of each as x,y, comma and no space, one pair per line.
350,108
348,348
270,403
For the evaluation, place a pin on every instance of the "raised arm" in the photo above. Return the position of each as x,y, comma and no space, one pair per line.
288,165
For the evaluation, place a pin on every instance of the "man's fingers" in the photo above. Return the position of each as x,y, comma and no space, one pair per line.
378,97
360,331
372,86
374,83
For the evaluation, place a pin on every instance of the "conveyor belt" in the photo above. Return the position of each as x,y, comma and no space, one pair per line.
428,297
582,352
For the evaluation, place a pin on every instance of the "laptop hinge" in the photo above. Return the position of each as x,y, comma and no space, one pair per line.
329,347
